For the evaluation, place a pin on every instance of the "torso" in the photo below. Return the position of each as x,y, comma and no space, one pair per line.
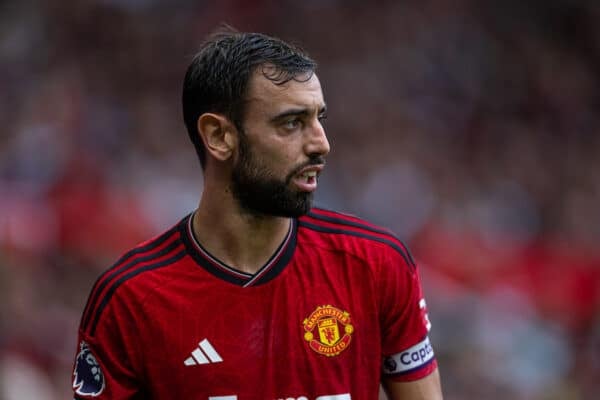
309,325
265,343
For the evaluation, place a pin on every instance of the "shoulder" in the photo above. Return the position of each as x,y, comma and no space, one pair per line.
133,271
351,232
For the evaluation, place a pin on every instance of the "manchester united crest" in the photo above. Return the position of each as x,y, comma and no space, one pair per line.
328,330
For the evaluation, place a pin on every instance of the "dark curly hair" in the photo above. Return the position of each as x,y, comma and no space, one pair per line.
217,78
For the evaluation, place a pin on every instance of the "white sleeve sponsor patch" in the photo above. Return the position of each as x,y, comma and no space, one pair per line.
409,359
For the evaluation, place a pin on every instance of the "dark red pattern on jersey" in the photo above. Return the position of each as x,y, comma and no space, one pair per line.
147,327
149,255
142,268
332,222
347,219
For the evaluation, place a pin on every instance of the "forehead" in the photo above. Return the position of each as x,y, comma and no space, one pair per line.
265,95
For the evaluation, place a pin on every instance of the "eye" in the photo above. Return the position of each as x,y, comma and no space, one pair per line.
292,124
322,118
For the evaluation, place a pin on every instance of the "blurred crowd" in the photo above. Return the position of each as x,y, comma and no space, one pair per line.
469,127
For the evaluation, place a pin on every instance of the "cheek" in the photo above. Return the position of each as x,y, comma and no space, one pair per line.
265,164
287,153
286,165
279,155
278,159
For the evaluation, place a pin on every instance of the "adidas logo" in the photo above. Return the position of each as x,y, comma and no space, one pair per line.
203,354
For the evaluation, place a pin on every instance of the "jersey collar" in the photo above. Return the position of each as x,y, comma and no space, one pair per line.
266,273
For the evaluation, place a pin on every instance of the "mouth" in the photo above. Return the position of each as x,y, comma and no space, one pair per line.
309,176
306,179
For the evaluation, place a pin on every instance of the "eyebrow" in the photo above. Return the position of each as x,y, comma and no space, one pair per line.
300,112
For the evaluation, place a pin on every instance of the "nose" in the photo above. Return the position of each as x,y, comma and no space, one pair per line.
316,143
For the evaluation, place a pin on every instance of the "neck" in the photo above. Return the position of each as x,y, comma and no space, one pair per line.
239,239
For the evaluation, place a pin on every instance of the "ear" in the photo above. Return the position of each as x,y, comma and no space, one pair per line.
218,134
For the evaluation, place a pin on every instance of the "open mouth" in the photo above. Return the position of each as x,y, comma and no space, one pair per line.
309,176
306,180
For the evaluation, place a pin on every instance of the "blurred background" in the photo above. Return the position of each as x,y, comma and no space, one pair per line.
469,127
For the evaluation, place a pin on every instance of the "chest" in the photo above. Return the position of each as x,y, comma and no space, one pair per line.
307,333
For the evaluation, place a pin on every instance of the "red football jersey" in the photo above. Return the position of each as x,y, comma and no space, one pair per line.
336,307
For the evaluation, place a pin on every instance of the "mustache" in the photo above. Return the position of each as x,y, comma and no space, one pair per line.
316,160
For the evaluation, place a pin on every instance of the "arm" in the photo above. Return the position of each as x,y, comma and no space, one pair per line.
428,388
409,367
105,360
102,373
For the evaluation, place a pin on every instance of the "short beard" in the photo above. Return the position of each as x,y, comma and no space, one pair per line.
259,193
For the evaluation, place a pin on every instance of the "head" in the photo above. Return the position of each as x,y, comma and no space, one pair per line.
217,79
259,99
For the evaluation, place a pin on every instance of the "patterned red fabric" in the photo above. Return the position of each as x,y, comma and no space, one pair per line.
337,298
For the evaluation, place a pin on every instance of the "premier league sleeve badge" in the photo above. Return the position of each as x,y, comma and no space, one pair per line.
88,379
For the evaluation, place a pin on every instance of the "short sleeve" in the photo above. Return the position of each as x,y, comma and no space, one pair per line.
407,351
104,366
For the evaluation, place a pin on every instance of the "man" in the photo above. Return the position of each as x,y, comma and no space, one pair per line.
256,295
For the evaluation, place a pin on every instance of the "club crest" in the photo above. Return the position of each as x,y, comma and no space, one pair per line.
88,378
328,330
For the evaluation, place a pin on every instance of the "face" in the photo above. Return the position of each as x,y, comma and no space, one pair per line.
282,147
